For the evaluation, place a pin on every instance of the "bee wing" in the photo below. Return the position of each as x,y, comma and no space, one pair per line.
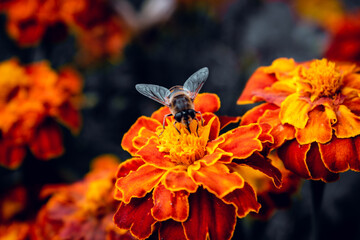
195,82
155,92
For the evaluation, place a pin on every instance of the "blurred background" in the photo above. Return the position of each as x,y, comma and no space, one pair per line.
115,44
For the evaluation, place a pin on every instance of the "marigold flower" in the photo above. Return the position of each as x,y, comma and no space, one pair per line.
100,32
32,100
188,185
313,108
82,210
344,43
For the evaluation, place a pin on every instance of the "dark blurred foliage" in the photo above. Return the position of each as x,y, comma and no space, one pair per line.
251,33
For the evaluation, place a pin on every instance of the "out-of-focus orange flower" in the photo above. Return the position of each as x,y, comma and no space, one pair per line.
325,13
82,210
33,99
12,205
270,197
188,185
313,108
15,231
344,43
100,32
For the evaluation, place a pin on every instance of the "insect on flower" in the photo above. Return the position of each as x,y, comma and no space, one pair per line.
179,99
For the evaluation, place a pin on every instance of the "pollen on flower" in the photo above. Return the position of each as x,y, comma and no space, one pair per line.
185,147
322,79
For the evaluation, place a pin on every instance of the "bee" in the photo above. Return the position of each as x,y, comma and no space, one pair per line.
179,99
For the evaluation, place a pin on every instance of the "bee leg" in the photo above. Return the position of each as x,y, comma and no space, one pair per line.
167,115
197,126
202,120
176,128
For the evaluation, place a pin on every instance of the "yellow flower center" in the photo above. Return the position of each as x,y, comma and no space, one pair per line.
321,79
186,147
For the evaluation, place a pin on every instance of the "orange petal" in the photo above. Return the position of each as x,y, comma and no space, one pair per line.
127,141
150,154
244,200
294,157
47,141
210,118
259,162
226,120
160,114
317,129
207,102
253,115
348,124
258,81
170,205
136,217
353,104
179,180
242,141
218,155
280,132
70,116
217,179
129,165
11,156
143,136
294,111
340,155
171,230
209,217
316,166
138,183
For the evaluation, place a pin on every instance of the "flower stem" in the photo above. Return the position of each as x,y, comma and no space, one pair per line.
317,191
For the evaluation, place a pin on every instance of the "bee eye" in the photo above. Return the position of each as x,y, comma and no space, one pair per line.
178,116
192,113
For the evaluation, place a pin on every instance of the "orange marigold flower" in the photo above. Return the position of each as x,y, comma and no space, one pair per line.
188,185
313,108
344,43
15,231
32,100
101,33
82,210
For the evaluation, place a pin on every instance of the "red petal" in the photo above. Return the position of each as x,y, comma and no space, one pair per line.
259,80
217,179
136,216
127,141
11,156
150,154
259,162
171,230
340,155
209,217
242,141
47,141
70,116
139,182
170,205
129,165
316,166
179,180
244,200
294,155
207,102
226,120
